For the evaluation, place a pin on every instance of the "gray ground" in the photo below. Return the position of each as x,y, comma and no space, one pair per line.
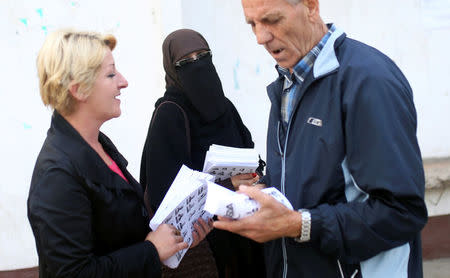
439,268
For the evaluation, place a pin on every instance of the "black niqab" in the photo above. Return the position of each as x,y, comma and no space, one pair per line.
197,80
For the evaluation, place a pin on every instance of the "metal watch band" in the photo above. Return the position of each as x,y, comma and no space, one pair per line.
305,234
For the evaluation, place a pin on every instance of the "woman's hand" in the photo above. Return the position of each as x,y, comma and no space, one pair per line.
167,240
244,179
201,229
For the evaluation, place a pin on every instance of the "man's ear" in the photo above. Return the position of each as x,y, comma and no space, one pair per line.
313,8
74,90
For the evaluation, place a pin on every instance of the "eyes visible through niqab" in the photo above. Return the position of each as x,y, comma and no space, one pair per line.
193,58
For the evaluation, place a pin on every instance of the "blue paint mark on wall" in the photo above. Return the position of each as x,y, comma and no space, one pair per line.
24,21
26,126
235,75
44,28
258,70
39,11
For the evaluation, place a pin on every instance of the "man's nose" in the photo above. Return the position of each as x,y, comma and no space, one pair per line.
263,35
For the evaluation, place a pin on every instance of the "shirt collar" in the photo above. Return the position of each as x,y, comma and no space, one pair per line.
306,63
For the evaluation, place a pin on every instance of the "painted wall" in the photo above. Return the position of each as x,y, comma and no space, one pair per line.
414,33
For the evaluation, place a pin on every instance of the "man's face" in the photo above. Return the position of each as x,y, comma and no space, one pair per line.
285,30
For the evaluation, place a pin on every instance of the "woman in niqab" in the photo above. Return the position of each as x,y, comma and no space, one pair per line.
192,115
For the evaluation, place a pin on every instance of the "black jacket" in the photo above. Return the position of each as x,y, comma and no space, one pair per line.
86,219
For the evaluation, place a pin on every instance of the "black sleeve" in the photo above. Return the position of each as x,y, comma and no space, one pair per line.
165,151
61,216
243,130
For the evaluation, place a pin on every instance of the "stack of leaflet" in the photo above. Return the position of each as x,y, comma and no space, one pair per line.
193,195
182,206
224,202
224,162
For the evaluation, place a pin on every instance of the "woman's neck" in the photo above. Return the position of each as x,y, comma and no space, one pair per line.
88,128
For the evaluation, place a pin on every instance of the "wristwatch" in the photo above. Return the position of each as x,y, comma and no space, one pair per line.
305,233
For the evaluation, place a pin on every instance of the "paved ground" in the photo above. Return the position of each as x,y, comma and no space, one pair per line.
439,268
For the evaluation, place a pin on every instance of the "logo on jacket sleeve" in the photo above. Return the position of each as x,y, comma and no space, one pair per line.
314,121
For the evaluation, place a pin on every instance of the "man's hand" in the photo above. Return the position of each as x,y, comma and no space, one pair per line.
273,220
260,186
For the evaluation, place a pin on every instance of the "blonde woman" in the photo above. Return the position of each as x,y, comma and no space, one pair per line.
85,209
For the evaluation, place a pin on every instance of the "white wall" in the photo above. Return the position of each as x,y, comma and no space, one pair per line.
399,28
414,33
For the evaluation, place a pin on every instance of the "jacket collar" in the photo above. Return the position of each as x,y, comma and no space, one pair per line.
327,61
86,161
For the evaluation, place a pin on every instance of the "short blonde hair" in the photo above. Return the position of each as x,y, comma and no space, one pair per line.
69,57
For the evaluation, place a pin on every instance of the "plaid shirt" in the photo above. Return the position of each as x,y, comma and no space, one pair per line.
293,82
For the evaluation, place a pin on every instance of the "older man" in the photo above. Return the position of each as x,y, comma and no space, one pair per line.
341,146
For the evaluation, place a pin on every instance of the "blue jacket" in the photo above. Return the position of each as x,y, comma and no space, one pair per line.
350,156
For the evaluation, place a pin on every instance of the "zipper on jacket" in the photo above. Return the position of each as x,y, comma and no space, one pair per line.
278,140
342,272
340,269
283,172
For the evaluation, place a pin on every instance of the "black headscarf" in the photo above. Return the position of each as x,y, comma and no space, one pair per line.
177,45
196,87
198,81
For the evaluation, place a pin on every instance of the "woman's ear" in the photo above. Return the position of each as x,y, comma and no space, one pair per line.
74,89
